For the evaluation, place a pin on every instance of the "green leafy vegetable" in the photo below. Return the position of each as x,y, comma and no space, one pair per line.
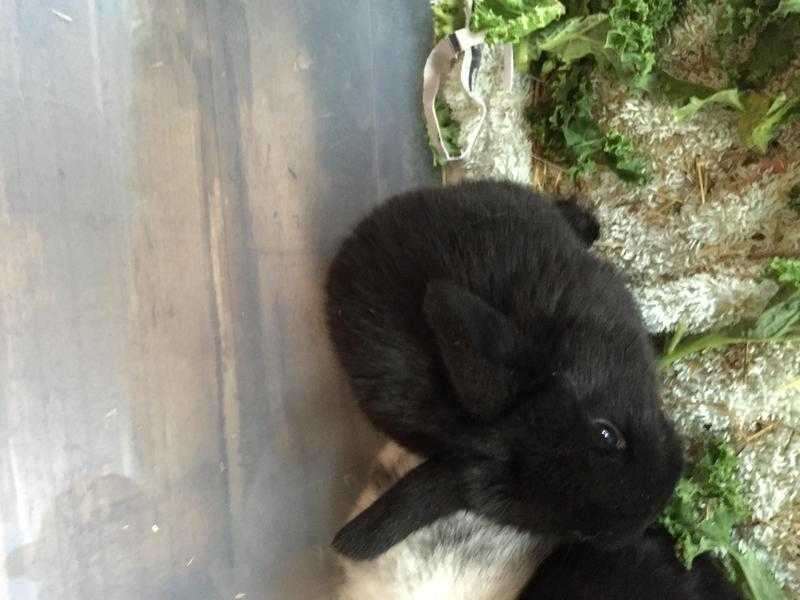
572,118
448,16
573,131
761,121
634,26
618,36
786,270
450,128
579,37
621,39
631,36
779,322
514,21
761,117
706,507
782,110
621,158
693,96
510,21
661,14
729,97
759,582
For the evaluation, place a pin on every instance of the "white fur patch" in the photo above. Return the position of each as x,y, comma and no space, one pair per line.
461,557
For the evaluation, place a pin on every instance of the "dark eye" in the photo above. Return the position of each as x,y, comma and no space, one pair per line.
608,436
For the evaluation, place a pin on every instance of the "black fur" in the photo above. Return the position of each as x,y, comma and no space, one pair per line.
583,222
647,569
395,519
478,330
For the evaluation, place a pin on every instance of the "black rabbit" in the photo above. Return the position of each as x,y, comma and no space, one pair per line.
478,330
647,569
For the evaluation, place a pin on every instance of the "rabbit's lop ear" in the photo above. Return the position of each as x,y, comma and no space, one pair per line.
428,492
474,340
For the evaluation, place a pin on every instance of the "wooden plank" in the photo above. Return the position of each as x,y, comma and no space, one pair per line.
174,177
114,438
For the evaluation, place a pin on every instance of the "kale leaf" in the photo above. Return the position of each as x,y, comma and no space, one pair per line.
572,131
511,21
705,509
514,22
451,130
448,16
763,118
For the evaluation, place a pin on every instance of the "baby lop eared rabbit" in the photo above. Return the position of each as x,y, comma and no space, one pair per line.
478,330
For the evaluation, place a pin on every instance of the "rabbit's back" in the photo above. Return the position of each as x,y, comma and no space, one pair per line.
502,242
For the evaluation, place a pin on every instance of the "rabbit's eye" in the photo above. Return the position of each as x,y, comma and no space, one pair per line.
608,435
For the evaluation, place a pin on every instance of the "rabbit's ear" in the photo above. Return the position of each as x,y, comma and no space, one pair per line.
582,221
428,492
474,340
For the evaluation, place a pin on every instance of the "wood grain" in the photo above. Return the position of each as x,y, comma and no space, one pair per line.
174,177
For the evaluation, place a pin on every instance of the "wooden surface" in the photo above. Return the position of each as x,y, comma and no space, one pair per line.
174,177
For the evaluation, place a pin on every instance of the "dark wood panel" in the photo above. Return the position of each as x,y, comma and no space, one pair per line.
174,176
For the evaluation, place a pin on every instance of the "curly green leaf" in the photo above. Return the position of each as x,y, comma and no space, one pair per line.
511,21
